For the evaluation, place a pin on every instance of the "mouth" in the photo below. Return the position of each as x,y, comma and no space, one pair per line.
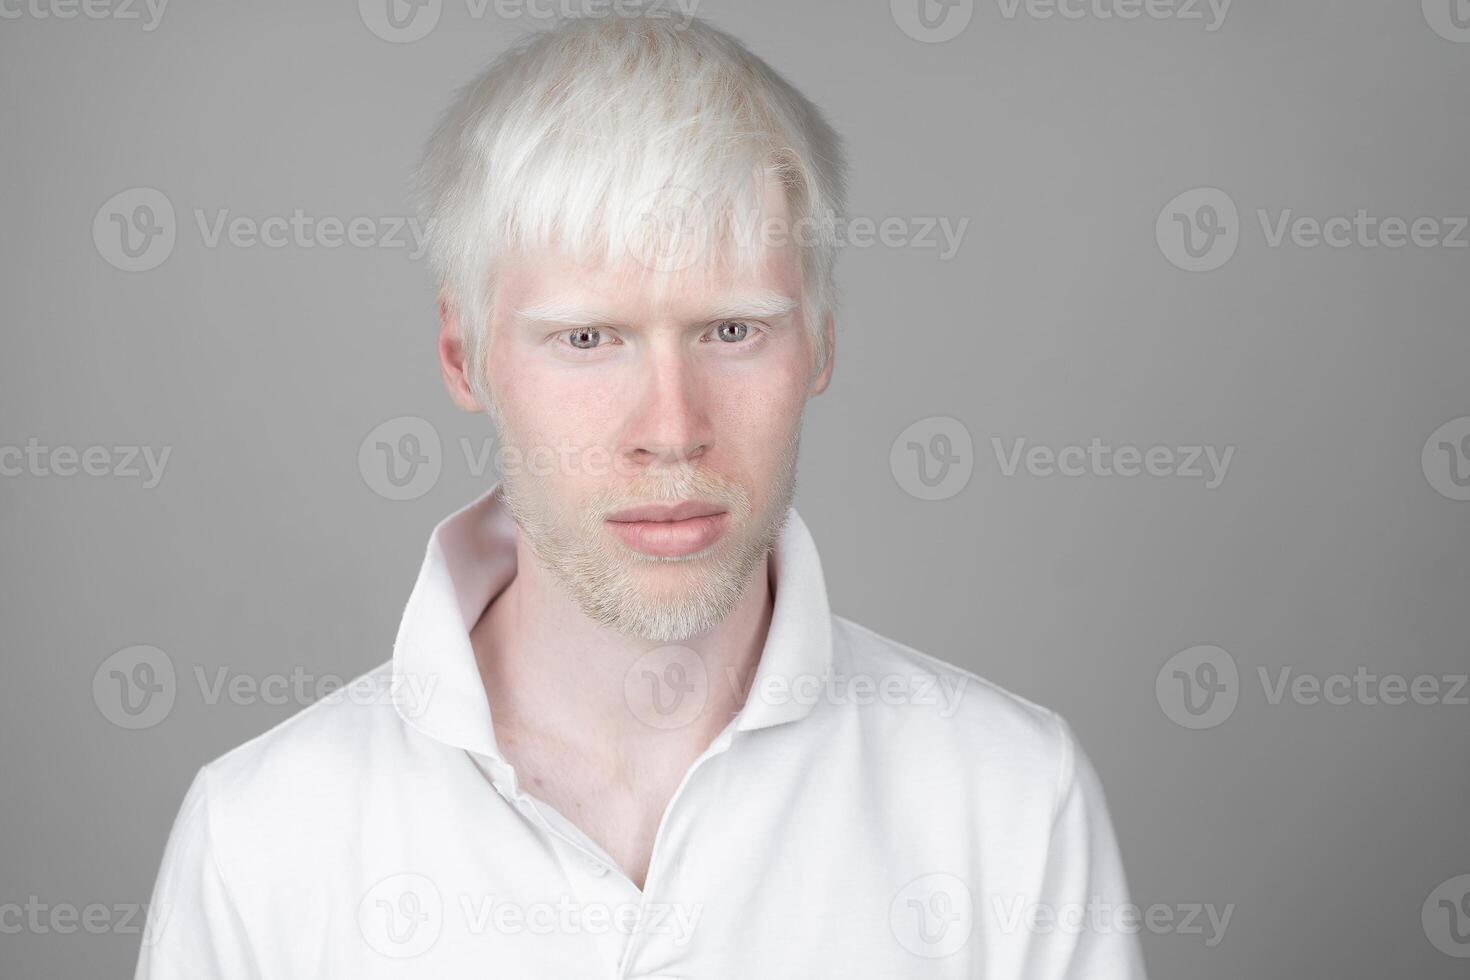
670,530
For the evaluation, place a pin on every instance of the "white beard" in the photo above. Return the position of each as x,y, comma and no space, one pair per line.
605,579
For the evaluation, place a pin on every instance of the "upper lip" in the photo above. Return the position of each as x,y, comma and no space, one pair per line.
666,512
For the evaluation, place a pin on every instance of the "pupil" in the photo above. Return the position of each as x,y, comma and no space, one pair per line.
585,337
733,330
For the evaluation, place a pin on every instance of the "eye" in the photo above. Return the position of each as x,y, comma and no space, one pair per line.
585,338
732,331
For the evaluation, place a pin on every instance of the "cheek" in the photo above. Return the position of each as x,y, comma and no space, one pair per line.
757,415
569,421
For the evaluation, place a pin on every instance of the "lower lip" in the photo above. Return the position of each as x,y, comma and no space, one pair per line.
671,539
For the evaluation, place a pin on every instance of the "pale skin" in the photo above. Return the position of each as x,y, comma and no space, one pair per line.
665,385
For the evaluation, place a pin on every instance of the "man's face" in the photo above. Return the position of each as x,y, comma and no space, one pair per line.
616,387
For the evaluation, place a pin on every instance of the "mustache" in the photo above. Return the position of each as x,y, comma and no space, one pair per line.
669,487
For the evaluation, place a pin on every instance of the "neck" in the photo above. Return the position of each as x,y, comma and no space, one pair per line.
551,673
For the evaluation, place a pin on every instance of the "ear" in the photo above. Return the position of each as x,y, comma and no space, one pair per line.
451,359
825,377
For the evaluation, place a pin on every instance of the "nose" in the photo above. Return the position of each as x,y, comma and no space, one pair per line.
669,424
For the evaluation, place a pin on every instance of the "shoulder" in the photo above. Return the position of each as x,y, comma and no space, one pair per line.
949,719
992,777
303,770
327,736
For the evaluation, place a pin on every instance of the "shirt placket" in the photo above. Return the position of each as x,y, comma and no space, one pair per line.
600,878
661,884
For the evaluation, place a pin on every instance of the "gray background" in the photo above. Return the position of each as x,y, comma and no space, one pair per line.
266,550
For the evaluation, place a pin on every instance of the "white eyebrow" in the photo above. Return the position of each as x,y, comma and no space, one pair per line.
763,303
558,311
760,304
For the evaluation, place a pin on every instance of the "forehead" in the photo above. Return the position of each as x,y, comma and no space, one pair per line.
625,289
746,256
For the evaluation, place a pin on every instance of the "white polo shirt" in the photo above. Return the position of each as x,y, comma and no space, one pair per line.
870,812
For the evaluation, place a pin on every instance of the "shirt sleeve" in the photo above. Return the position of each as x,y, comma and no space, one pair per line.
1094,935
195,932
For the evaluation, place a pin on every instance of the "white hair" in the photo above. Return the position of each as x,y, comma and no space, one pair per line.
580,133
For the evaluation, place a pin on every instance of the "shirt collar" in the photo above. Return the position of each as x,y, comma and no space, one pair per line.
471,557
